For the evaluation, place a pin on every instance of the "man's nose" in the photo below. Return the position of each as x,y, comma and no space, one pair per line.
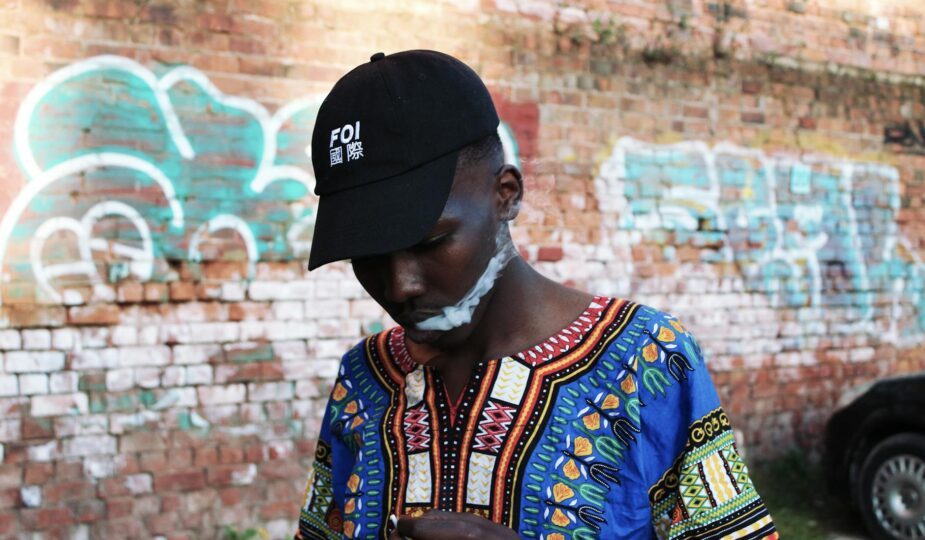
405,279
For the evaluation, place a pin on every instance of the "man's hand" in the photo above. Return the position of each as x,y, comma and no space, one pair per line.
438,525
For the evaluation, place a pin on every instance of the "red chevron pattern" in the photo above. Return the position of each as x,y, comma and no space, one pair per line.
493,426
417,428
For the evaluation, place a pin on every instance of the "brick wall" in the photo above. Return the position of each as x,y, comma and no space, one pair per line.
756,168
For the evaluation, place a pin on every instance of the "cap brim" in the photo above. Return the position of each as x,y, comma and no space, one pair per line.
383,216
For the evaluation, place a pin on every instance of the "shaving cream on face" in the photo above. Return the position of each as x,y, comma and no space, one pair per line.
461,312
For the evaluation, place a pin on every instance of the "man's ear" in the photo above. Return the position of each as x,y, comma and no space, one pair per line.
510,188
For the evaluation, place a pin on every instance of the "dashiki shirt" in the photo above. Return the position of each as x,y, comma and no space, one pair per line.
610,429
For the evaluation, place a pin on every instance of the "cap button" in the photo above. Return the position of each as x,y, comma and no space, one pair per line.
377,56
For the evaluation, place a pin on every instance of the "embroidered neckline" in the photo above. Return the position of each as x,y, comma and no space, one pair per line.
553,346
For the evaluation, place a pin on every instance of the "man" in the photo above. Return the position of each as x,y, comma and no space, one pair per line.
504,405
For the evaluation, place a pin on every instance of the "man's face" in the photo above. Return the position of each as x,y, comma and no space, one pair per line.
414,284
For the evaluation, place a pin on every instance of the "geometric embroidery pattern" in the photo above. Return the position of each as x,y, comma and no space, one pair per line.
707,493
417,428
493,426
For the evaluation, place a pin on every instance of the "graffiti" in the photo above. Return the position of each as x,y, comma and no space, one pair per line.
127,169
909,135
805,231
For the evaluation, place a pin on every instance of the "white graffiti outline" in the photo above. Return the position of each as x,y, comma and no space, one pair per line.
221,222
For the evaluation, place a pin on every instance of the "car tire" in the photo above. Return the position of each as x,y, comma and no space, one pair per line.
891,488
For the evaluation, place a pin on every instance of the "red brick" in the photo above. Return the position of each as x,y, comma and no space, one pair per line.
182,291
116,508
38,473
98,314
179,481
7,520
549,253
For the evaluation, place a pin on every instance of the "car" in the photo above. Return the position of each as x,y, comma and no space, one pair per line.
875,455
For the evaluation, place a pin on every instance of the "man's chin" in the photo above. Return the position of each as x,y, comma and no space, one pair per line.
423,337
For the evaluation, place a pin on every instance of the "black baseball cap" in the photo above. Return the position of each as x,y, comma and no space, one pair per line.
384,151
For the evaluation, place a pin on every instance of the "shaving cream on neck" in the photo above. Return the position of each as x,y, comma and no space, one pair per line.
461,312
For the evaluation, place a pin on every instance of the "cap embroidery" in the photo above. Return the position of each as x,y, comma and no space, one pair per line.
347,135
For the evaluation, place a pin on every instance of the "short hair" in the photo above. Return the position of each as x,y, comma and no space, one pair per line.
488,147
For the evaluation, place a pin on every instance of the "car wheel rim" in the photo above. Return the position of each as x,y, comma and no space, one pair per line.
898,496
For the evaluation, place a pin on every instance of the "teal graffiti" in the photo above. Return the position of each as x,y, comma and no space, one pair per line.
129,168
806,232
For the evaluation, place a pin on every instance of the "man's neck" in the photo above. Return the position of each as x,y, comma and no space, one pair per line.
524,309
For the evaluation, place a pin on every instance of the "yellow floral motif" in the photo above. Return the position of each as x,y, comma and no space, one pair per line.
351,408
350,506
650,352
678,326
611,402
356,422
583,446
353,483
555,536
560,492
592,421
339,392
348,529
665,334
571,470
559,518
628,385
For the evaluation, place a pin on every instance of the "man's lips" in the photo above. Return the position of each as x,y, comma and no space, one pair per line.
410,320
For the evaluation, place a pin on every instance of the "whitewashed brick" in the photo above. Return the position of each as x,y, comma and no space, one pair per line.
148,377
31,496
157,355
43,452
149,335
64,339
201,374
59,404
214,395
1,452
266,290
124,335
195,354
233,291
88,445
215,332
36,339
103,466
94,337
307,389
365,308
9,385
288,310
94,359
290,350
289,330
10,429
350,288
22,361
31,384
174,376
63,382
139,484
328,328
324,309
91,424
269,391
254,331
244,476
118,380
10,340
